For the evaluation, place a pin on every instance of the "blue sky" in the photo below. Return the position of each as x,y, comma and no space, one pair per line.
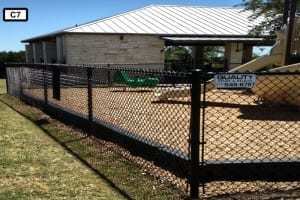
50,15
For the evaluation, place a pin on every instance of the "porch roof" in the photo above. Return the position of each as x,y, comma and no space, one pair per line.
257,41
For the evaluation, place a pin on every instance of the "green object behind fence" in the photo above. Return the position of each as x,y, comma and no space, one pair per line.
123,78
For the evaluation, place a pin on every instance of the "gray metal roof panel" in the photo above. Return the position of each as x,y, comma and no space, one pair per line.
184,20
172,20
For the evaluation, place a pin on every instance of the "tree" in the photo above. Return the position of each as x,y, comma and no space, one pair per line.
178,54
10,56
178,58
271,10
213,53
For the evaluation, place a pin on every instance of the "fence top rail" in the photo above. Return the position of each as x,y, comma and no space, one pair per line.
136,68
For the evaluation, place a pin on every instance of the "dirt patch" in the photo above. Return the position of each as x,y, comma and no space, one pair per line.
238,127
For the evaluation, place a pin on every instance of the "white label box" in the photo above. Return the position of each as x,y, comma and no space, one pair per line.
15,14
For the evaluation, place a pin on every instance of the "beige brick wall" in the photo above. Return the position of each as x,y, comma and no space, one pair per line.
91,48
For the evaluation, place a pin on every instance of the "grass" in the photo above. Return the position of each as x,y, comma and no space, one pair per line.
2,86
125,176
33,166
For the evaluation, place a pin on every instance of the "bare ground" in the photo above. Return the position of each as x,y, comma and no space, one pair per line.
238,128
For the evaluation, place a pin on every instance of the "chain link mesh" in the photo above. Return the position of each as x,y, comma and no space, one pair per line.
33,82
249,138
125,99
257,129
73,91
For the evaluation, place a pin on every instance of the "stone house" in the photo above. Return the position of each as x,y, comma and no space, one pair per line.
140,36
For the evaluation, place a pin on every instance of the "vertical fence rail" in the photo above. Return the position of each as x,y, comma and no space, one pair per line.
56,82
109,81
45,85
202,131
90,93
195,133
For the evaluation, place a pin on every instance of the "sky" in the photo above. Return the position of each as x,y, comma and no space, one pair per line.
50,15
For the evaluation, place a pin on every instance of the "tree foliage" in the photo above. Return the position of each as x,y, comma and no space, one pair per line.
271,10
178,54
213,53
10,56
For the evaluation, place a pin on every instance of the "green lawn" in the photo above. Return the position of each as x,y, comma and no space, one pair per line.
2,86
33,166
36,167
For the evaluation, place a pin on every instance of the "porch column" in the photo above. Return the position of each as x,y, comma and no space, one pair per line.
59,49
34,51
234,54
247,53
45,57
197,54
37,52
29,53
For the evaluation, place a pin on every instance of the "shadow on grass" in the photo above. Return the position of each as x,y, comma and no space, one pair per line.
108,160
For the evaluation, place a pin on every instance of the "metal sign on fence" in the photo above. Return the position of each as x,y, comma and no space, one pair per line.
231,81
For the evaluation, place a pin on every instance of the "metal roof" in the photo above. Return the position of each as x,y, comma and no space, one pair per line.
175,20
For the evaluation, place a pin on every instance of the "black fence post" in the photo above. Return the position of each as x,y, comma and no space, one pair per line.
109,75
291,26
56,82
195,132
45,85
90,93
226,65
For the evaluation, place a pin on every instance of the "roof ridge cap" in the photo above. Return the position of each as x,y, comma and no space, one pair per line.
196,6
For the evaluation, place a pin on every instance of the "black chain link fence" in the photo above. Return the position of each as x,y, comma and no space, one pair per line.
252,138
216,142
